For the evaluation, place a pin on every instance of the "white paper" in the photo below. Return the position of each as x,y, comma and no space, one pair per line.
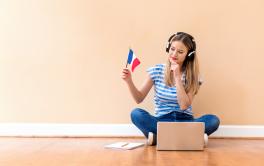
124,145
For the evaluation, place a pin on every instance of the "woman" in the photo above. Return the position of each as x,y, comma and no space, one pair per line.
175,84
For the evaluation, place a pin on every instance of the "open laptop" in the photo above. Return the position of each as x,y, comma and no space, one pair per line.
180,136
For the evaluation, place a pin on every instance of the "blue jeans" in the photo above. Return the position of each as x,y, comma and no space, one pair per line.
148,123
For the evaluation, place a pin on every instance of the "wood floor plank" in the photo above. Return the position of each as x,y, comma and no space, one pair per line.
91,151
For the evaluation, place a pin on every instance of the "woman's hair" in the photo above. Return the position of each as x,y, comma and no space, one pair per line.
190,66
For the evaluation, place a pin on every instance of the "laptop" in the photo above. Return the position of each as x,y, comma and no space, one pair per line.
180,136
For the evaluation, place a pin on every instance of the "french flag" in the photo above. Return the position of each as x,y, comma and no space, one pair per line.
132,60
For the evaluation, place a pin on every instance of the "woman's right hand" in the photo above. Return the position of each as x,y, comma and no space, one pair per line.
126,75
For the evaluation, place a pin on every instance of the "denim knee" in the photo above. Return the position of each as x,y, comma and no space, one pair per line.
137,115
214,123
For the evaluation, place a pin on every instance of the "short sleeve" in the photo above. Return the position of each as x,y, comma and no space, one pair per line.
154,72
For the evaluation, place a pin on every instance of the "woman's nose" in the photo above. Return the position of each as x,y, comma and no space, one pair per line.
174,53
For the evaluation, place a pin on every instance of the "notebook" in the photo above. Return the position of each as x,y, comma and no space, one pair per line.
124,145
180,136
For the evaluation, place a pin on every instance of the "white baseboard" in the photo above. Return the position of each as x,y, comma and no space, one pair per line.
68,130
110,130
246,131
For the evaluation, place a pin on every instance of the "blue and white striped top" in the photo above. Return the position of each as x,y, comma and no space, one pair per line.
165,98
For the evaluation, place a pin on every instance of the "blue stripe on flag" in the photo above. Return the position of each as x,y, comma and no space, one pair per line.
130,56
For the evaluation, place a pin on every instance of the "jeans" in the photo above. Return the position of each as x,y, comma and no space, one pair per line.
148,123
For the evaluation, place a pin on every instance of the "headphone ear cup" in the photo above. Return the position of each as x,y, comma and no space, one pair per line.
169,43
191,55
168,47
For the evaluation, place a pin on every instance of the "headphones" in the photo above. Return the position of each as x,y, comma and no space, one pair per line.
191,52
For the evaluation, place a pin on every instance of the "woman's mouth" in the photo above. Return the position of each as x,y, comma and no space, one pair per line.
174,59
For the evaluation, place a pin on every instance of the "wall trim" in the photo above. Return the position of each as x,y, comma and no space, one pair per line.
110,130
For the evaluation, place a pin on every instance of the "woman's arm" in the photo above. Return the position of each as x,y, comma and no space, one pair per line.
184,99
137,94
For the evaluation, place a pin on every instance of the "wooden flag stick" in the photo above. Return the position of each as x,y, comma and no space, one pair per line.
128,54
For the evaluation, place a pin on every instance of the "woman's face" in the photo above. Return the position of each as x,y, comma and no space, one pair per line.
177,52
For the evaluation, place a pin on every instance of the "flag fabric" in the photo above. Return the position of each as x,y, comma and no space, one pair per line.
132,60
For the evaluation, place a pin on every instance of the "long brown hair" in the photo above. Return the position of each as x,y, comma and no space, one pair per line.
190,66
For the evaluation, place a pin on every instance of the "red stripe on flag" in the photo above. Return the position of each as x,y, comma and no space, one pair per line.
135,63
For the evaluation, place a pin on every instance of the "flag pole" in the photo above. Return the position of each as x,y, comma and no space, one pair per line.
128,52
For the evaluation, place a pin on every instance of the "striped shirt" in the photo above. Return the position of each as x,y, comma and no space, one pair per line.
165,97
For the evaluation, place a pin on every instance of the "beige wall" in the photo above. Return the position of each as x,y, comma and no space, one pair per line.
60,61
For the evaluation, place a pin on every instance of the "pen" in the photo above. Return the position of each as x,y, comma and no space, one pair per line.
124,144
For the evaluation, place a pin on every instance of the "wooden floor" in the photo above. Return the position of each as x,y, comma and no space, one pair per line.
91,152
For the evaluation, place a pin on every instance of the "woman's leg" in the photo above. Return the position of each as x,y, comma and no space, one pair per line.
211,123
144,121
